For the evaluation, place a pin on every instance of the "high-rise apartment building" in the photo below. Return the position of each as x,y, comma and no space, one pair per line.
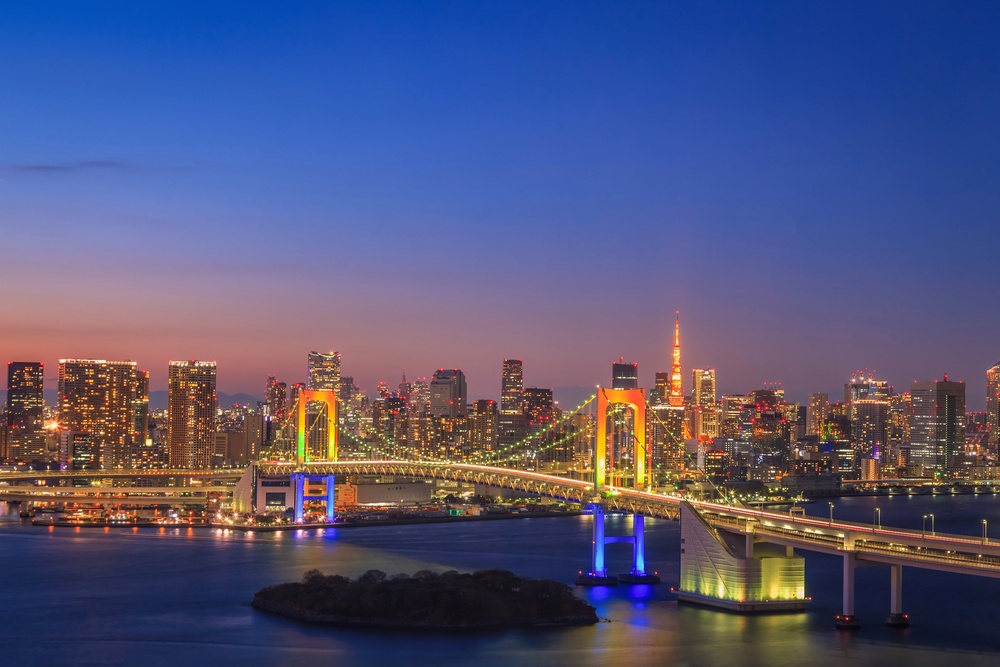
937,424
191,408
26,410
483,426
816,412
141,409
512,426
993,405
276,397
103,398
448,393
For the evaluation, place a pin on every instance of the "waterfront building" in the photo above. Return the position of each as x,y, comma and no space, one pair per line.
104,398
191,409
25,410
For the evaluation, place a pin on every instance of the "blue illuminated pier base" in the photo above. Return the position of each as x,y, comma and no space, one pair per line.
598,574
299,480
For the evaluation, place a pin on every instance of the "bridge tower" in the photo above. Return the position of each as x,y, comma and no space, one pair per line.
610,398
303,457
329,399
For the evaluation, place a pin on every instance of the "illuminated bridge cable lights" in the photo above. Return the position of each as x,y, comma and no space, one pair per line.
480,456
680,443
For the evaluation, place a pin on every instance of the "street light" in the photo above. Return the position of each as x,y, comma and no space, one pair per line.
831,513
984,531
923,528
877,519
932,524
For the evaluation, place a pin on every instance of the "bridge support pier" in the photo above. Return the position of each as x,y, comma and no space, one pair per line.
847,620
896,618
298,491
330,479
729,569
638,574
598,574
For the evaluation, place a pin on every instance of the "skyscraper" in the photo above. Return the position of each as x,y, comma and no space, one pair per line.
483,424
324,371
102,398
818,409
871,427
25,409
512,387
937,424
276,397
191,407
448,393
993,405
703,401
624,375
512,425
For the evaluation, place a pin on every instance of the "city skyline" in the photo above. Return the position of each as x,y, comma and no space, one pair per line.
813,187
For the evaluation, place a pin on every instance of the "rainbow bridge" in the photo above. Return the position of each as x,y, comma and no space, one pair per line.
732,557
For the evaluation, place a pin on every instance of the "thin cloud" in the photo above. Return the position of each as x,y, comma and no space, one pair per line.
82,165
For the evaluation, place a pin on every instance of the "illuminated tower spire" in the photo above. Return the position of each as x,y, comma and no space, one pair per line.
676,392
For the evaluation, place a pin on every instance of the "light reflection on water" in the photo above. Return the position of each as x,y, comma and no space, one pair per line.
169,595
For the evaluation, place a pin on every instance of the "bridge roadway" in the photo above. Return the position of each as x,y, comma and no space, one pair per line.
37,476
875,545
871,544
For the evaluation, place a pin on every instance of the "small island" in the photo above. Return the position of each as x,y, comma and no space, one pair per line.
426,600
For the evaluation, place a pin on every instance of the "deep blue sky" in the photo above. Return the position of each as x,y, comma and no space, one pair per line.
815,186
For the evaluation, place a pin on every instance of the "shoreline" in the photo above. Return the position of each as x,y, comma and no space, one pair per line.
393,522
330,620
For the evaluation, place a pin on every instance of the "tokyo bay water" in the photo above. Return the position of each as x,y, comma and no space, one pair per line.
173,596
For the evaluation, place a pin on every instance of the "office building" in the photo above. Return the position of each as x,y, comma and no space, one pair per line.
324,371
937,424
706,412
448,393
512,387
624,375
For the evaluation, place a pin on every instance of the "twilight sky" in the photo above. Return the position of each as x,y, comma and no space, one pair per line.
815,186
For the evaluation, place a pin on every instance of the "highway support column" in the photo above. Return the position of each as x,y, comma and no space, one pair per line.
896,618
847,620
